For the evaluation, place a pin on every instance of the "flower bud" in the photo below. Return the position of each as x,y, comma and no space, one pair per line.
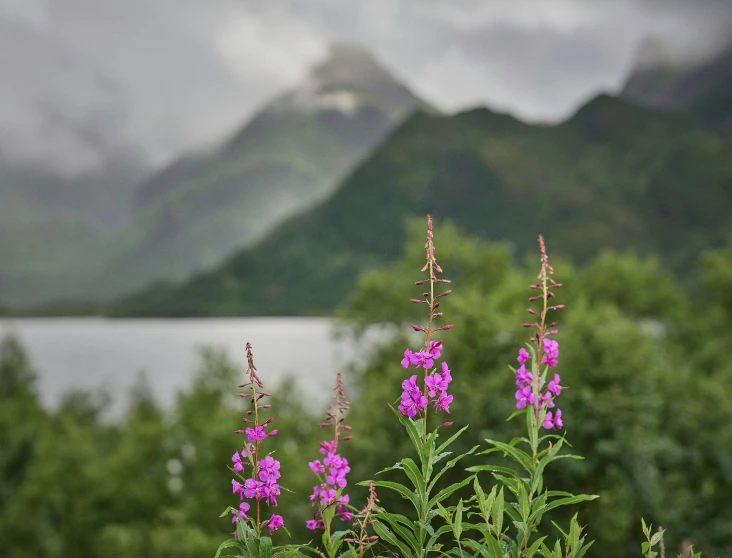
530,311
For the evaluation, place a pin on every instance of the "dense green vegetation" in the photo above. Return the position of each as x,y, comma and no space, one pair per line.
648,403
614,176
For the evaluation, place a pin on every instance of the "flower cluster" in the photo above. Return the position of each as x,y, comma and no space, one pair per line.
414,399
525,382
262,484
333,469
533,389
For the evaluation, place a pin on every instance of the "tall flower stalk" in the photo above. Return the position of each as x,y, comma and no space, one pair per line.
328,494
414,400
535,398
264,472
257,477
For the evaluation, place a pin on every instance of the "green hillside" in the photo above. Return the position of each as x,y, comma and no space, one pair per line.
615,175
291,155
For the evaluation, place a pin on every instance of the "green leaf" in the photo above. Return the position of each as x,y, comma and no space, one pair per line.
451,439
534,547
396,487
449,465
569,501
518,455
459,520
402,526
415,475
656,537
498,507
265,547
226,544
388,537
492,469
446,492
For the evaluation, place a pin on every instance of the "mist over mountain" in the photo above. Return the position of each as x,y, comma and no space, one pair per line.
197,210
699,85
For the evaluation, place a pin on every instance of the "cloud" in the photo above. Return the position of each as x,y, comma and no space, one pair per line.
90,78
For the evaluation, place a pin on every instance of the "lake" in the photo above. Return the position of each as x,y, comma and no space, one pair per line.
93,353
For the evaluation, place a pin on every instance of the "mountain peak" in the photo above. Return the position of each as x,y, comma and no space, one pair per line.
348,65
347,79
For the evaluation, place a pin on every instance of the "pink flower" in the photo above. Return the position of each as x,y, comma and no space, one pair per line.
523,356
241,512
256,434
275,522
237,462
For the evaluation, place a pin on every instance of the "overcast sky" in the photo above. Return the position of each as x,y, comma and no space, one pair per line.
84,78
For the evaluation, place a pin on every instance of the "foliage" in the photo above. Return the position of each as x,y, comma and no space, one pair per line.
647,402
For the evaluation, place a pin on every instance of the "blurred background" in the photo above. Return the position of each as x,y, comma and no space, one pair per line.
179,177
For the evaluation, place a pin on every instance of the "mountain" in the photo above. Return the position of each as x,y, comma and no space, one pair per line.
52,226
292,154
700,87
615,175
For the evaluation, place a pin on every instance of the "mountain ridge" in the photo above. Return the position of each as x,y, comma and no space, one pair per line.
586,183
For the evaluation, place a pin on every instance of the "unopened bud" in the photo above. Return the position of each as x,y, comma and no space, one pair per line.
549,294
247,420
267,406
445,425
250,412
273,433
553,332
415,301
557,307
528,325
266,422
553,324
445,293
421,282
533,298
437,315
347,438
346,427
438,269
239,431
445,327
415,327
324,424
530,311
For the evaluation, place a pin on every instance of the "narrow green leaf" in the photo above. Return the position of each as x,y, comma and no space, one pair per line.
401,489
226,544
388,537
265,547
451,439
446,492
534,547
518,455
415,475
459,520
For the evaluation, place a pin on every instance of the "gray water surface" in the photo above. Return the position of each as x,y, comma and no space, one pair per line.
93,353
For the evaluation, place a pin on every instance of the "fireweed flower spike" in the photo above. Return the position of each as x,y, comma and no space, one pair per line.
328,494
414,399
533,389
258,475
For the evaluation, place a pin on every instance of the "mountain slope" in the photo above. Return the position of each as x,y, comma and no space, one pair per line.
52,227
288,157
615,175
702,88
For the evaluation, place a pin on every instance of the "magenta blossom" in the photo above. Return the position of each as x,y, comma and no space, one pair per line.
551,352
523,356
241,512
275,522
238,467
256,434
